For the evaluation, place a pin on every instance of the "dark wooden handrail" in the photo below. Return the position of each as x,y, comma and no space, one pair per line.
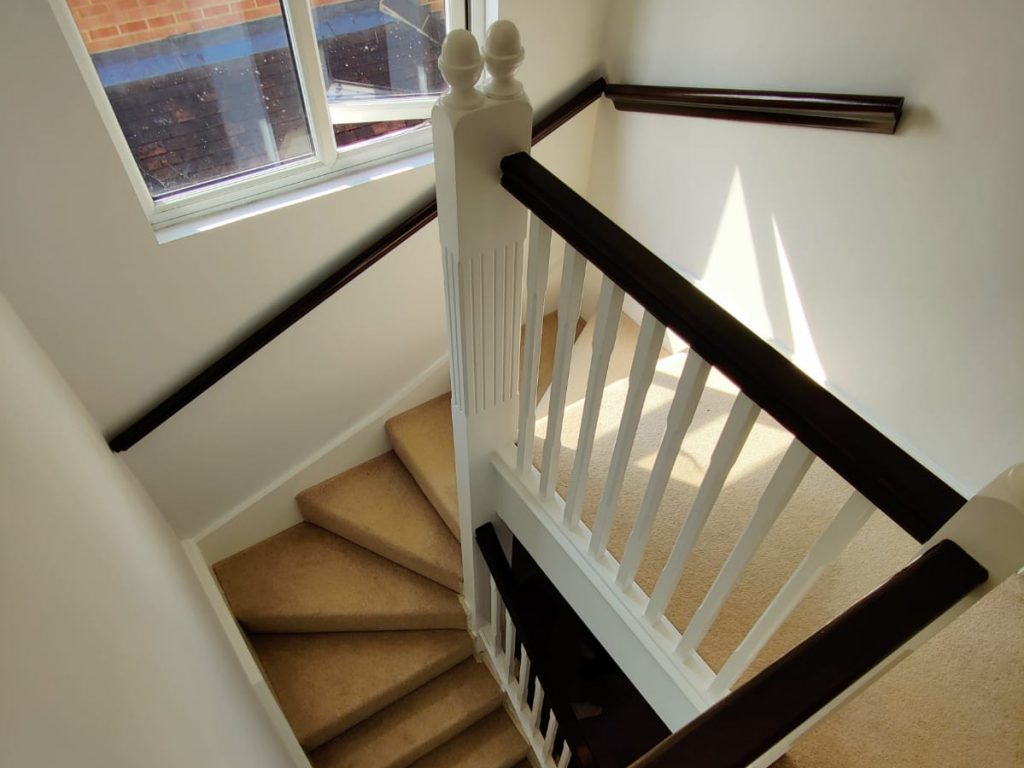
760,714
543,668
892,479
352,267
875,114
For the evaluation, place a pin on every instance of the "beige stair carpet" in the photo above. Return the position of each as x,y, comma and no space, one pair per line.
422,437
306,579
493,742
328,682
355,623
416,724
958,702
379,506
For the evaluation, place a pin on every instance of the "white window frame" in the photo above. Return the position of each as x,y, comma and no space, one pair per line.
327,161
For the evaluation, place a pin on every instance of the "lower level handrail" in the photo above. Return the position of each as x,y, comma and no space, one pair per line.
767,709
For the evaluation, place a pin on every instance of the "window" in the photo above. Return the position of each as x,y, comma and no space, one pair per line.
220,101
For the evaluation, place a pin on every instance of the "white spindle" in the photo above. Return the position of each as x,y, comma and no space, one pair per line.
565,756
652,334
776,495
550,732
609,310
524,677
734,435
536,286
837,536
510,648
680,415
538,705
495,617
573,270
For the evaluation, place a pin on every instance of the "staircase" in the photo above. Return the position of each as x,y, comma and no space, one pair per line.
354,615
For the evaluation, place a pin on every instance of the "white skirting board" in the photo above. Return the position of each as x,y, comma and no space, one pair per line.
273,509
252,670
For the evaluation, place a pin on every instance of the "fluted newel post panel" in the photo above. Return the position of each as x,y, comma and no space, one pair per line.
482,233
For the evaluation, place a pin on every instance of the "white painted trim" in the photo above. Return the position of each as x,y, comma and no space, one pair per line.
371,110
482,13
241,648
272,509
299,21
284,197
69,28
272,182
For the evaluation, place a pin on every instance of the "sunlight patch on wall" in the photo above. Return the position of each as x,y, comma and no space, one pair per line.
732,276
805,353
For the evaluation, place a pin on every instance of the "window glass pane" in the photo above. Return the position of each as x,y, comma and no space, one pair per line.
377,56
203,89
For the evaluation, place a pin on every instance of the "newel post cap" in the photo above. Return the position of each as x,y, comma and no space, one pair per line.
461,64
503,52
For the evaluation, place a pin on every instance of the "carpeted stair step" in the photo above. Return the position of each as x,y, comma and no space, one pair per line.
416,724
306,579
379,506
493,742
422,438
328,682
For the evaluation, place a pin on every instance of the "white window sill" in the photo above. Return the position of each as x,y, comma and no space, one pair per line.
302,191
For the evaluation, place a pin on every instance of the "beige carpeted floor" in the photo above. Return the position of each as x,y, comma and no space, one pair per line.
957,702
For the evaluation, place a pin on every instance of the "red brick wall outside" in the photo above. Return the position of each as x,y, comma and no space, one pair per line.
109,24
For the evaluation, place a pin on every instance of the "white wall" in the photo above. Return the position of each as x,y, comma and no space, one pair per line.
125,319
890,266
110,655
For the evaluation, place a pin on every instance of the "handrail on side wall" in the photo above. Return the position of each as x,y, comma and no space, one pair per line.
847,112
352,267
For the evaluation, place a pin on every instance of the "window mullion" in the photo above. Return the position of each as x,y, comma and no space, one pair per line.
299,17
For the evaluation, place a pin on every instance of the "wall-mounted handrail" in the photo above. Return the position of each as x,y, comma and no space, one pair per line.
760,714
874,114
883,472
352,267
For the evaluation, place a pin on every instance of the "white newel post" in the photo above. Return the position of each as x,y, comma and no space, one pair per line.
482,233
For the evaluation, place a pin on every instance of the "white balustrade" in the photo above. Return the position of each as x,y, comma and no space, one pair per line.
483,229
